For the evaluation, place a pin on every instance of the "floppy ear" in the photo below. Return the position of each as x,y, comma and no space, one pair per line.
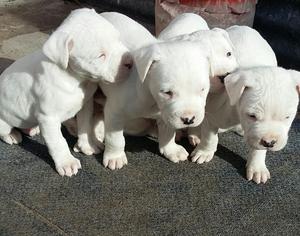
225,35
57,48
144,58
236,83
296,77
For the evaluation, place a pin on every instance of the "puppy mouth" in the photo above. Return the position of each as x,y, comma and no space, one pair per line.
222,77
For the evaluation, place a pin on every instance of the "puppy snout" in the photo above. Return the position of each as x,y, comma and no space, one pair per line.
188,120
268,143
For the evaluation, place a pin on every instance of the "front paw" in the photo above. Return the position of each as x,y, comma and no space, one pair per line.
15,137
68,166
32,131
194,140
175,153
88,148
200,156
258,173
114,160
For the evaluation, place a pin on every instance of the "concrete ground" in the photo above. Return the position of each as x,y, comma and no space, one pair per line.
150,196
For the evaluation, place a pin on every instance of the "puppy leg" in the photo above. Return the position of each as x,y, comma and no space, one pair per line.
167,145
65,163
8,134
85,142
114,156
239,130
194,135
32,131
205,151
99,129
256,166
71,126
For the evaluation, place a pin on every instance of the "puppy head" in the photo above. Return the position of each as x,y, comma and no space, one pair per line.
222,57
267,100
88,45
177,75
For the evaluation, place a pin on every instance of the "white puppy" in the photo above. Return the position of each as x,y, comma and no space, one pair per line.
170,82
90,138
220,54
251,99
185,23
51,85
250,48
221,51
132,34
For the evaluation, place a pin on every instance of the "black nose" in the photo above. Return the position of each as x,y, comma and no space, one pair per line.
187,121
267,144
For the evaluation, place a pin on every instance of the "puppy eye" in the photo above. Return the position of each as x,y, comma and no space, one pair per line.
287,117
167,93
252,116
228,54
102,56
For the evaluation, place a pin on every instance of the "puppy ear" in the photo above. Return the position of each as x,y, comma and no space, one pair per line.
225,34
144,58
296,77
236,83
57,48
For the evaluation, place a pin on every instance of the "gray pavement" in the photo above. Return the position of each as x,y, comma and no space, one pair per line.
150,196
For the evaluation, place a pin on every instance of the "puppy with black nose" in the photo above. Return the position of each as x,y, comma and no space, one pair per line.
251,100
162,87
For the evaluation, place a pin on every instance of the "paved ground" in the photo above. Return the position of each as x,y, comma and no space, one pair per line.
150,196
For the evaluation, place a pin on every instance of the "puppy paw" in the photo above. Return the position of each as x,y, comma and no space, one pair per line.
15,137
200,156
239,130
88,148
113,161
68,166
259,174
32,131
194,140
176,153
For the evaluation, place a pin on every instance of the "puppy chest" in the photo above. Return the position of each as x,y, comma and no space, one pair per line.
70,104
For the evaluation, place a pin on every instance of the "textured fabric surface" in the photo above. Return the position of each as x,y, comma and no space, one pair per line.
150,196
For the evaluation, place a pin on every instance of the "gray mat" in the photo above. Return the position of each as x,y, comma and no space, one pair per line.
150,196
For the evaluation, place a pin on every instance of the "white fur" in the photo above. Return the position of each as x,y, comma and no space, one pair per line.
51,85
222,58
251,49
215,41
132,34
185,23
252,92
162,87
